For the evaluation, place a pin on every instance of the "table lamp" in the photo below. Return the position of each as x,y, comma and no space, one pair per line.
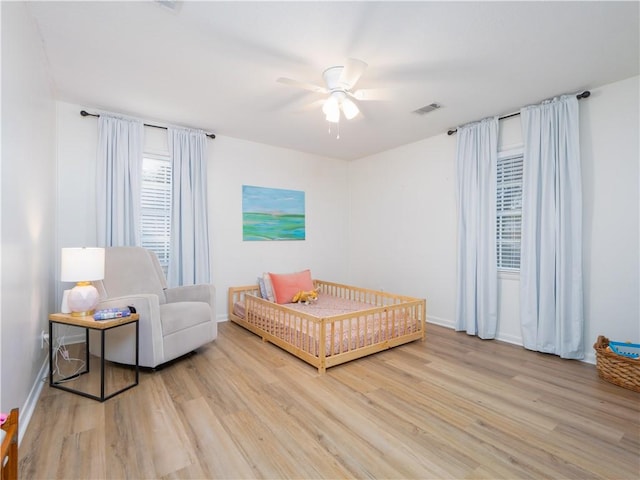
82,265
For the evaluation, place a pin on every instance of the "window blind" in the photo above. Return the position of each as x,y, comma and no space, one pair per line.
156,207
509,211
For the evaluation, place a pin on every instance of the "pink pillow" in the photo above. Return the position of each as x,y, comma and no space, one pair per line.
286,285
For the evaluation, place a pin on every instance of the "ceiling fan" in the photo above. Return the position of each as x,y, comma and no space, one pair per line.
339,82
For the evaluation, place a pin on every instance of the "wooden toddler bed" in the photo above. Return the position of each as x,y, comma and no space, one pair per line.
345,322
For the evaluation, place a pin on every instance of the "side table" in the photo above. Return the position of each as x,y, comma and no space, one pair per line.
89,323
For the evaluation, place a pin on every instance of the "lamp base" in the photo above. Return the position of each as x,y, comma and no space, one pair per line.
64,306
82,299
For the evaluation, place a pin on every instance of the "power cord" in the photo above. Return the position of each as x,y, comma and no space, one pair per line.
60,350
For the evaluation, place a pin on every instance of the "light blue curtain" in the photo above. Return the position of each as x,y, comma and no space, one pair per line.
551,294
118,181
476,163
189,251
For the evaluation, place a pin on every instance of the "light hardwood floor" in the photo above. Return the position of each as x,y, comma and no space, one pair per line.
452,406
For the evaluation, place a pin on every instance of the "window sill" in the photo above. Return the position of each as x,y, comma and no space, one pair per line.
507,275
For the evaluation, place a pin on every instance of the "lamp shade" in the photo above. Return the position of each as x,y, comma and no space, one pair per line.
82,264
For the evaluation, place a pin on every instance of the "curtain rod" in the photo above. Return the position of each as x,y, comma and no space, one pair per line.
84,113
580,96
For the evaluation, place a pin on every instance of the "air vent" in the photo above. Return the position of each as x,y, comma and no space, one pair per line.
172,5
428,108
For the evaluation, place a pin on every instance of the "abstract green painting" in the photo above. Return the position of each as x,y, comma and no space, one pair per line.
272,214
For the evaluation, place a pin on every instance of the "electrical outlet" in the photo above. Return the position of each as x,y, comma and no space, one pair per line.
44,338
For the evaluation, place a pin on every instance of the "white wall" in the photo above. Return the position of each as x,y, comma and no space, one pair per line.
232,163
404,231
235,163
403,223
28,208
610,129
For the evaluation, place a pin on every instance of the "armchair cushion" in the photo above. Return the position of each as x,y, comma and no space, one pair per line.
181,315
132,270
191,293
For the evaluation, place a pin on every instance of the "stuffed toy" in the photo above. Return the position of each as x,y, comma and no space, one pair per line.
305,297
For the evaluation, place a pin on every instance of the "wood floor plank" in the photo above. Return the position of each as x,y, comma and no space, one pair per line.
216,449
87,443
450,407
345,430
511,449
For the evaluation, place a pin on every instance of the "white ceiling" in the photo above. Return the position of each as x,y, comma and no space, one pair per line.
214,65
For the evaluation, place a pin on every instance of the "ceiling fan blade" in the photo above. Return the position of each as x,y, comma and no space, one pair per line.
304,85
366,94
351,73
311,106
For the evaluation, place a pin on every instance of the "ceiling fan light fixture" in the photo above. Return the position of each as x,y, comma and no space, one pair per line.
333,116
331,109
349,109
340,81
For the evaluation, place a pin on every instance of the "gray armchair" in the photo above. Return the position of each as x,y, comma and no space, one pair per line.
173,321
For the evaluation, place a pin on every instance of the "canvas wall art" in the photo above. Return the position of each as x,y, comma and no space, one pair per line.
272,214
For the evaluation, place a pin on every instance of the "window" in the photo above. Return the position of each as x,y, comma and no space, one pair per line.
509,210
156,206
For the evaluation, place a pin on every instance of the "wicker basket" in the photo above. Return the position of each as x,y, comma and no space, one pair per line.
616,369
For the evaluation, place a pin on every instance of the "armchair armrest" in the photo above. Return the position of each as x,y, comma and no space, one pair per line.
192,293
147,305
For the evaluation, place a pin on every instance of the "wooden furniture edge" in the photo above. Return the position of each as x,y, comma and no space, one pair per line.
237,293
9,471
90,322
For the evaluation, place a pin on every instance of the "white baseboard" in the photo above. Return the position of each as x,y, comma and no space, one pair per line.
72,339
589,356
443,322
36,389
512,339
32,399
